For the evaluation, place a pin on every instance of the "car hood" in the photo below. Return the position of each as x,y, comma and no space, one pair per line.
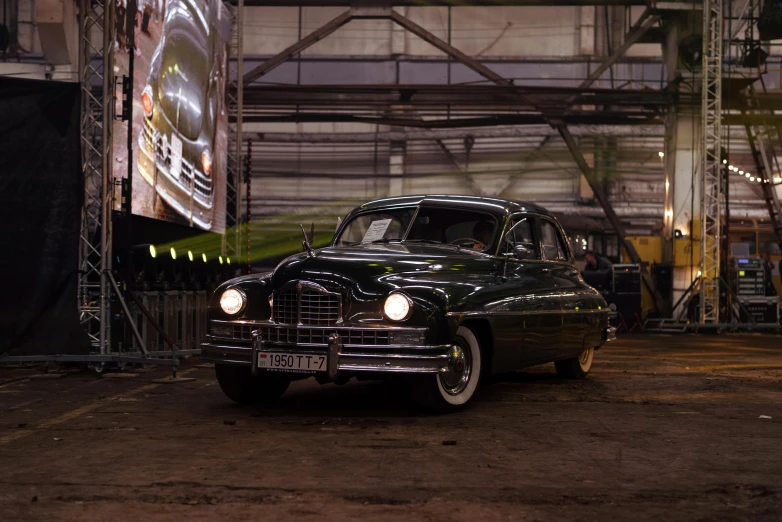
371,271
184,70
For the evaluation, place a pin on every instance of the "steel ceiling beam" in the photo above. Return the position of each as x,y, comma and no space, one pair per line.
551,112
650,131
312,38
641,26
595,118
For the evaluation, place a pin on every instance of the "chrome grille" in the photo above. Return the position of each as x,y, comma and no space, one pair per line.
285,307
190,178
308,306
318,309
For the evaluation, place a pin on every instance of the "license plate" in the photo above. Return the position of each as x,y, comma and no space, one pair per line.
293,362
176,156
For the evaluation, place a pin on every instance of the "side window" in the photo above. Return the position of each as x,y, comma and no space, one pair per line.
553,244
521,233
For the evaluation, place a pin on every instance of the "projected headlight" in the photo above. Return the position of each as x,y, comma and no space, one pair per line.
397,307
232,301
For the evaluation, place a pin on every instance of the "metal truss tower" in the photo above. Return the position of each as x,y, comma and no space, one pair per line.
710,186
232,239
96,57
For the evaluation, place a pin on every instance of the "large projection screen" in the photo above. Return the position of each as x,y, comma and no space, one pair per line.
179,124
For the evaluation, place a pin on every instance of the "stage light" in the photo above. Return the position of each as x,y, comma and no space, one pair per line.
152,251
190,255
220,258
173,253
203,256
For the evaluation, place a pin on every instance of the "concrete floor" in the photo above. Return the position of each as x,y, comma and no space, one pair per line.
665,428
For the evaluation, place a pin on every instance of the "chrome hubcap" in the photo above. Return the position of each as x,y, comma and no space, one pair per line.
454,380
584,358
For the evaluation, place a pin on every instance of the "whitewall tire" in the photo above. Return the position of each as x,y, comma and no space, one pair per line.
450,391
577,367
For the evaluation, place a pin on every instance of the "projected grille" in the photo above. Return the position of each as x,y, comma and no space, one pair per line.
306,305
190,178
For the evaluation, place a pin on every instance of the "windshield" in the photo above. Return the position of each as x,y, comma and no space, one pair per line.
378,226
466,228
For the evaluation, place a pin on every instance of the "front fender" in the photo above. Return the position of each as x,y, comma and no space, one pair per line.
257,289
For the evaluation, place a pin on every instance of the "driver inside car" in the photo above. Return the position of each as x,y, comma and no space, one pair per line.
482,232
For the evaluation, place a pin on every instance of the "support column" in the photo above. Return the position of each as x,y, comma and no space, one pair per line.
681,161
396,168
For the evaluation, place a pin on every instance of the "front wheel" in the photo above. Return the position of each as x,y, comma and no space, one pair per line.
450,391
577,367
240,385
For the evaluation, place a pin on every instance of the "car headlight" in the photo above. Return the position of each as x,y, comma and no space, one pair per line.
397,307
232,301
146,101
206,162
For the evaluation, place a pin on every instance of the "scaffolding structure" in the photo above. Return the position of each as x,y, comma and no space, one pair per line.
710,164
234,94
96,60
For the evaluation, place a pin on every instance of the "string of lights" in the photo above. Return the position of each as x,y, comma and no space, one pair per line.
750,176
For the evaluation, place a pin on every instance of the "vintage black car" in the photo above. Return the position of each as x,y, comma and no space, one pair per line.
440,290
180,104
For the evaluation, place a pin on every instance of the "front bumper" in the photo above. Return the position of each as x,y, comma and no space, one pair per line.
349,350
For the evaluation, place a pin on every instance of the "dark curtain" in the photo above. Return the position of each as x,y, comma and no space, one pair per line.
41,193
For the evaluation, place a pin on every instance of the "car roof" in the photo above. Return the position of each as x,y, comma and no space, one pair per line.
493,205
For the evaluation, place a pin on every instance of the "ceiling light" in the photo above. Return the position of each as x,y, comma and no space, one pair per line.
748,174
661,154
741,172
724,162
752,178
759,180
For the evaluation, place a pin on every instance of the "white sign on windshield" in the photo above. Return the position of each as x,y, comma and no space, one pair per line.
376,230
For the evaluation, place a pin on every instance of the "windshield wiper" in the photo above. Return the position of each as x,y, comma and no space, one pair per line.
432,241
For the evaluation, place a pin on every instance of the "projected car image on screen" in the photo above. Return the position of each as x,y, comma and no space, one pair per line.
183,119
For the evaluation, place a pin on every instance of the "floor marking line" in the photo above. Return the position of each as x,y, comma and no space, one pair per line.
65,417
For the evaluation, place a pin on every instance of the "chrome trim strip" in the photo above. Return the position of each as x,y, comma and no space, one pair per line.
273,347
529,312
379,327
441,357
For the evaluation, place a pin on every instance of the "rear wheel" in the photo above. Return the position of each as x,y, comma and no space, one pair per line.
452,390
577,367
240,385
